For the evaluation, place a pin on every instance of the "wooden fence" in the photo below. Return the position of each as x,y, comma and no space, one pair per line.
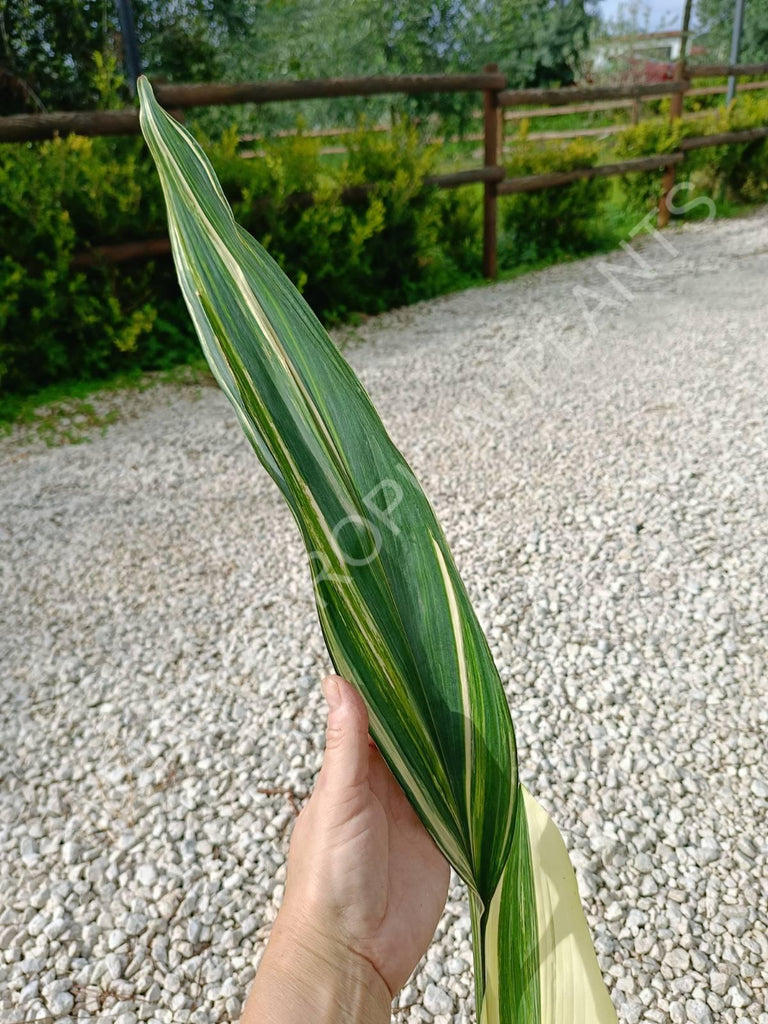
509,116
496,99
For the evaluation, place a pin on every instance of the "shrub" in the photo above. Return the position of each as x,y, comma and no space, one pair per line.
738,173
397,243
61,321
56,322
536,225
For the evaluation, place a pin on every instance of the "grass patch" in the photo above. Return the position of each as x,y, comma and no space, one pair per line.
65,413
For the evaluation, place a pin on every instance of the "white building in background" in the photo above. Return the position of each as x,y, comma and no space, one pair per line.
644,56
661,46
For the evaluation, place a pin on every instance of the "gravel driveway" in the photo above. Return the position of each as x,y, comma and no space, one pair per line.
594,439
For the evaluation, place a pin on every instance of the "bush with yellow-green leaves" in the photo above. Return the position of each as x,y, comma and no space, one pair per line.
556,221
60,321
738,173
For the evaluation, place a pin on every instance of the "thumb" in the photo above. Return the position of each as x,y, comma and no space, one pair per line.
345,763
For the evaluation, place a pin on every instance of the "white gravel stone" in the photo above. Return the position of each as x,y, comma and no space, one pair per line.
134,924
60,1003
28,851
116,938
698,1012
70,852
146,875
605,494
455,965
707,852
719,982
678,959
113,966
436,1000
38,924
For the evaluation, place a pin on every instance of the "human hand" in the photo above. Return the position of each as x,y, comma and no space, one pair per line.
364,891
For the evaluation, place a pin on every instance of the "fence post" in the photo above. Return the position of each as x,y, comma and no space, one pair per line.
668,178
492,133
675,111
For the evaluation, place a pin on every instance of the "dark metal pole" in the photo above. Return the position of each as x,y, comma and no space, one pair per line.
131,56
676,103
738,22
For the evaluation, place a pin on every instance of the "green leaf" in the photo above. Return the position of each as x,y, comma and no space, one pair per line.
393,609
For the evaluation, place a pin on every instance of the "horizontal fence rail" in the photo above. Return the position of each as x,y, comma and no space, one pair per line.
496,99
722,139
509,115
456,178
563,96
122,252
718,90
222,94
539,182
37,127
724,70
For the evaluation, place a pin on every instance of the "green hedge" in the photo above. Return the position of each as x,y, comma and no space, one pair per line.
736,173
400,243
558,221
58,198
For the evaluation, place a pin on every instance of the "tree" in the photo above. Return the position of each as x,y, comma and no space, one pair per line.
47,47
46,52
536,42
715,18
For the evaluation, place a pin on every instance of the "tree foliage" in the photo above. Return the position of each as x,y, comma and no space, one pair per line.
46,52
47,46
715,18
534,41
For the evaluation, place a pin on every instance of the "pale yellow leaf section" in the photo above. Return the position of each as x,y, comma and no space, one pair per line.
571,984
491,1009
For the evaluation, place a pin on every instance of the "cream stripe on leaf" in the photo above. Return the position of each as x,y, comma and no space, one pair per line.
394,612
570,983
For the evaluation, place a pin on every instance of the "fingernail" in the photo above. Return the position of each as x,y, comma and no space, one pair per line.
332,692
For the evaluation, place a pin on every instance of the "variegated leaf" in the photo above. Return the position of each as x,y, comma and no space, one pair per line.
393,609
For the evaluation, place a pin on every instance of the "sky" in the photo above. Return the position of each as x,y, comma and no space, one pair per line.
666,12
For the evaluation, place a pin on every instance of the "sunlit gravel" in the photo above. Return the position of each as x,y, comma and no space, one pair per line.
594,438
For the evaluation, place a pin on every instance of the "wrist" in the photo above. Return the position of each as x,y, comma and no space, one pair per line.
306,975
